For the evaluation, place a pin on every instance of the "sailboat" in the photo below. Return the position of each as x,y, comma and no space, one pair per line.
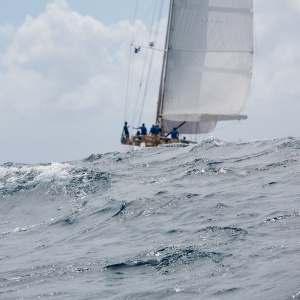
206,70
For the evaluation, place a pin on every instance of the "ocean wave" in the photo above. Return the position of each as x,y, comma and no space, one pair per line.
209,221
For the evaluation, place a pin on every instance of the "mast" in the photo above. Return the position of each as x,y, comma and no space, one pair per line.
163,72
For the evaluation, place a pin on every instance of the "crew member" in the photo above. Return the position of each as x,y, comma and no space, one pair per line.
153,130
143,129
125,130
175,135
158,130
184,141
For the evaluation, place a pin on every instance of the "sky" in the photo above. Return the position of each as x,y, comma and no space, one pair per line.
64,67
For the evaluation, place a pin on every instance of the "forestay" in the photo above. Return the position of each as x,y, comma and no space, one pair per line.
208,64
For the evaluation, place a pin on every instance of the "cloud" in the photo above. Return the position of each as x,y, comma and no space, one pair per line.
63,74
6,31
295,4
277,50
62,60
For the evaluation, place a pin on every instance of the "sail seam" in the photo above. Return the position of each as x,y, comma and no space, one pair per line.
214,51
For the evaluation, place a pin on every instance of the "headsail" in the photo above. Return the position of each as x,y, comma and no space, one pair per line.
208,67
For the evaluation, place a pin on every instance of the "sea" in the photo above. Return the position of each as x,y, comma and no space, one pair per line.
216,220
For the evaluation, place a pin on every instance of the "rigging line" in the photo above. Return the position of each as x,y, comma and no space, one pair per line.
141,27
129,86
150,62
255,61
196,136
159,20
148,47
152,53
139,108
132,64
154,76
150,82
231,124
135,109
140,87
129,69
155,72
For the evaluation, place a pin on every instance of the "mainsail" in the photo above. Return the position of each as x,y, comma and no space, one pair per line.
208,64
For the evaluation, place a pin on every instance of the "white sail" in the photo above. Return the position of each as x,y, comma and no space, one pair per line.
208,65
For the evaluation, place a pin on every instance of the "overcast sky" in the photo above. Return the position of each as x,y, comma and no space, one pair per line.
63,77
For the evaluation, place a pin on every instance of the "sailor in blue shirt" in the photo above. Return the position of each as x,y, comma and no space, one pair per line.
174,134
158,130
125,130
153,130
143,129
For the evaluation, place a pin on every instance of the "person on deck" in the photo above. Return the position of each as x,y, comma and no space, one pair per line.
158,130
184,141
125,130
153,131
175,135
143,129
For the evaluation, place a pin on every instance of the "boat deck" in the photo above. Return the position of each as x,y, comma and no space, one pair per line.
151,141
